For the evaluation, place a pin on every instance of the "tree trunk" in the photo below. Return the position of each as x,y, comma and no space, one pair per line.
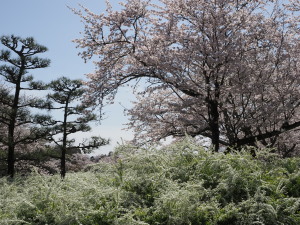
63,163
214,124
11,145
11,129
64,144
11,161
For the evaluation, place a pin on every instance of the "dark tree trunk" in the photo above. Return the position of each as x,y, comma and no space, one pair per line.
64,144
11,162
214,124
11,127
63,163
11,147
212,98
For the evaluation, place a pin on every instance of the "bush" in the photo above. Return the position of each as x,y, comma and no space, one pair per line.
179,184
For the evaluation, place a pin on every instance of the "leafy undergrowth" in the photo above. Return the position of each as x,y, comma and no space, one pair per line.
180,184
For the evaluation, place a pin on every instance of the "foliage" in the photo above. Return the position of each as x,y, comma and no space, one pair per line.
226,70
20,127
67,95
24,137
178,184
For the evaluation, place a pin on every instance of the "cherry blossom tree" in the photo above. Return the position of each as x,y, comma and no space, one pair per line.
226,70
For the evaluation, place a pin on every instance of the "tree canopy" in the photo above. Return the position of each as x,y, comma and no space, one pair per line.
67,95
18,59
226,70
25,134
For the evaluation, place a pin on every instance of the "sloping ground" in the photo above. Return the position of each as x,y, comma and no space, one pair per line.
180,184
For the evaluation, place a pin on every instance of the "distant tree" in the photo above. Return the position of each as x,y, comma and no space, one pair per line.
226,70
15,102
68,94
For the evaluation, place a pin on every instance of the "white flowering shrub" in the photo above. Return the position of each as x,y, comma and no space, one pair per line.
179,184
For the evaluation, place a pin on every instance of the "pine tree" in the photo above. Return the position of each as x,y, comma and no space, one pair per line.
67,94
15,111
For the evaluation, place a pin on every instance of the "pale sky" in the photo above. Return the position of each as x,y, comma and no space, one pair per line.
52,24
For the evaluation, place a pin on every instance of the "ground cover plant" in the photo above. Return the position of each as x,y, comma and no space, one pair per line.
179,184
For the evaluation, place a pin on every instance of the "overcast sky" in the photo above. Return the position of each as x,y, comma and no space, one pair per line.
54,25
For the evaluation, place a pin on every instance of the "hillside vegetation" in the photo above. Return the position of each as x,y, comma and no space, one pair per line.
179,184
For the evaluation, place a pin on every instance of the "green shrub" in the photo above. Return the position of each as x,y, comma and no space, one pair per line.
180,184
